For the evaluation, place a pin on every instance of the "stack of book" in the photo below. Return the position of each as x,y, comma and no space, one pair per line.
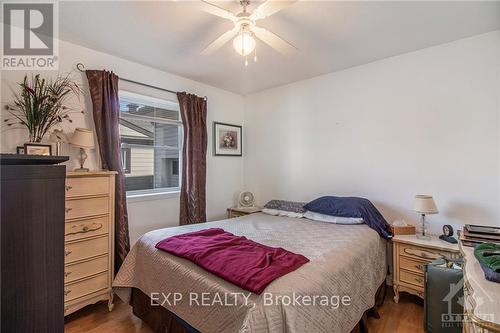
473,235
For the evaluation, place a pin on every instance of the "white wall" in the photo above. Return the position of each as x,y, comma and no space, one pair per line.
422,122
224,174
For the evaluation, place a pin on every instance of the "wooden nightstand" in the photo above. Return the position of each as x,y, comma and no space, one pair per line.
236,212
410,254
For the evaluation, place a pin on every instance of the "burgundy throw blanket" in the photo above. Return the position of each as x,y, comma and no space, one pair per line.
247,264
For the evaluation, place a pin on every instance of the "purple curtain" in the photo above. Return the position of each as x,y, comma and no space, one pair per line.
106,108
194,159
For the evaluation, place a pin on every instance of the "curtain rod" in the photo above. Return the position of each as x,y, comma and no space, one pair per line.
81,68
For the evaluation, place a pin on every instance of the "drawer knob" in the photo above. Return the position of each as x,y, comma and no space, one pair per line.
69,209
419,279
419,267
66,274
66,292
67,253
68,187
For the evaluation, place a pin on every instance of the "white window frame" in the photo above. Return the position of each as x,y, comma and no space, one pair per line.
155,193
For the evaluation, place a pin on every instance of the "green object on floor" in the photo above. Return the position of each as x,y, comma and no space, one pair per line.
486,254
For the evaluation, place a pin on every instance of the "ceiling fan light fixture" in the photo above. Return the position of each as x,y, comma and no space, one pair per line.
244,43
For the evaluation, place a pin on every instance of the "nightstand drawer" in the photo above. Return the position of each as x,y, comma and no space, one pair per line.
411,265
411,278
415,252
236,214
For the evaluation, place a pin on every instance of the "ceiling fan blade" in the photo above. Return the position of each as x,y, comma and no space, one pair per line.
273,40
270,7
216,10
219,42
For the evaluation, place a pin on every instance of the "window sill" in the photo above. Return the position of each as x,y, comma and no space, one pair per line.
131,198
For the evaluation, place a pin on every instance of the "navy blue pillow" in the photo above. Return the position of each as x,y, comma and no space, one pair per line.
352,207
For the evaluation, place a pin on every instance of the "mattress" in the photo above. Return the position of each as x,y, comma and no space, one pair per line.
328,294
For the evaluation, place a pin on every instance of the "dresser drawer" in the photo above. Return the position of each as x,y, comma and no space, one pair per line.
411,278
85,287
415,252
87,268
412,265
86,228
83,186
86,207
85,249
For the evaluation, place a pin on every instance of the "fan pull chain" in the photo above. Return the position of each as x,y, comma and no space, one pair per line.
246,60
255,55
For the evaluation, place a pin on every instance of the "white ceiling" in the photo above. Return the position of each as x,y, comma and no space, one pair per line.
330,35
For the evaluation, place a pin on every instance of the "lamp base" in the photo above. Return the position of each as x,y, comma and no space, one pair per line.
424,237
83,157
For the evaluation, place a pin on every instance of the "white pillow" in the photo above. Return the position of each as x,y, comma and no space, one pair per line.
332,219
285,213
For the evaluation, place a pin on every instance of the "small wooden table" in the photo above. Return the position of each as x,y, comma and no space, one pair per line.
410,254
241,211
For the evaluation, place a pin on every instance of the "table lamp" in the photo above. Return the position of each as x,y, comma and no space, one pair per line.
424,204
82,138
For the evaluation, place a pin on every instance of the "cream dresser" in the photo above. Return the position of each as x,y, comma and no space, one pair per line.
481,297
410,254
89,239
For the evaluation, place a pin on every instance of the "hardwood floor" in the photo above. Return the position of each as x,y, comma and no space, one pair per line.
406,316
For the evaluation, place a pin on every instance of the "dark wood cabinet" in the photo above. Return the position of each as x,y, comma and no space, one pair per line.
32,248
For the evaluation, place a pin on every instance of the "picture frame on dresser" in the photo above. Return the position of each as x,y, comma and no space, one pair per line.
89,239
32,148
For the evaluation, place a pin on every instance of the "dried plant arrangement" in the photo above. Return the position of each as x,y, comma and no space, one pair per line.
40,105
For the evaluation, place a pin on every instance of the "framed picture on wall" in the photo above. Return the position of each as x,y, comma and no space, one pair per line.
227,139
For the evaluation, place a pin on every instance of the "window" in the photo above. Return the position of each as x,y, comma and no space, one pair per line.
175,167
151,142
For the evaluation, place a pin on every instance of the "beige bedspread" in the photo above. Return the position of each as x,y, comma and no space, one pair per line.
345,260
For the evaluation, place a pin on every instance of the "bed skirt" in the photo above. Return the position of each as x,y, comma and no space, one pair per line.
162,320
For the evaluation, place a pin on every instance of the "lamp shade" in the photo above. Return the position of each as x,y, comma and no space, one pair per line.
83,138
425,204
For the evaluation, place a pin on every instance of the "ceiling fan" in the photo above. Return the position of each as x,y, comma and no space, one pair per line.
245,29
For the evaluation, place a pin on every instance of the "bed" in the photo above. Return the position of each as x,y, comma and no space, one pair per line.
345,260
